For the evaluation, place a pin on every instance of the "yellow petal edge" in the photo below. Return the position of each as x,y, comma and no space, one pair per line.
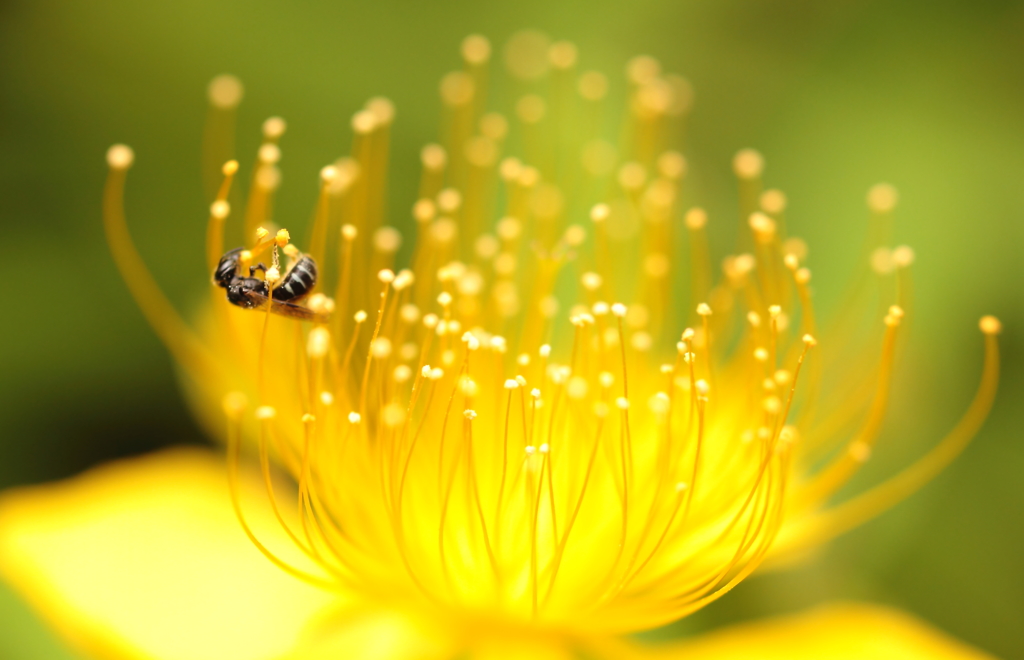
144,558
835,631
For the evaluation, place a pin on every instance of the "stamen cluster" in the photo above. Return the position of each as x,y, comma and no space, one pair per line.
528,419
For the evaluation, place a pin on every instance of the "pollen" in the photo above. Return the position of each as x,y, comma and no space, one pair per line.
474,426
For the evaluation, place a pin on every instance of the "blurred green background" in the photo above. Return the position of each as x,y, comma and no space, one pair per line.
838,95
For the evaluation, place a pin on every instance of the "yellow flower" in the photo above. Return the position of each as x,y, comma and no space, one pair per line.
524,443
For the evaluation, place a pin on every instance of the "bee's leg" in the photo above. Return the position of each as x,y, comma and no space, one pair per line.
260,266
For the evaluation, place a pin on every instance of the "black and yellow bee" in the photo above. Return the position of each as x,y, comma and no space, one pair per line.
254,293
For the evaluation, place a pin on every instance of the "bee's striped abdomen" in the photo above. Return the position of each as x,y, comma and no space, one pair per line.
298,282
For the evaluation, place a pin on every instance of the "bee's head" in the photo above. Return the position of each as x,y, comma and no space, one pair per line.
247,292
227,268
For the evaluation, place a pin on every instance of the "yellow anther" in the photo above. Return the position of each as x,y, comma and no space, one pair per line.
220,209
234,404
574,235
402,373
433,157
762,226
380,348
882,198
591,280
393,414
632,176
274,128
225,92
990,325
120,157
659,403
449,200
562,54
672,165
577,388
269,154
321,304
319,343
903,256
593,86
383,109
387,240
364,122
696,218
796,247
264,413
773,201
328,174
409,312
748,164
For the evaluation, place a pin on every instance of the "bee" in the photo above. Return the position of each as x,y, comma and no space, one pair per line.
254,293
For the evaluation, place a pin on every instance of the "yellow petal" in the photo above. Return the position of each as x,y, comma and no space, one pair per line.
144,559
386,633
841,631
374,634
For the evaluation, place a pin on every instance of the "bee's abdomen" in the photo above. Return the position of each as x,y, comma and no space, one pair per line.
298,282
